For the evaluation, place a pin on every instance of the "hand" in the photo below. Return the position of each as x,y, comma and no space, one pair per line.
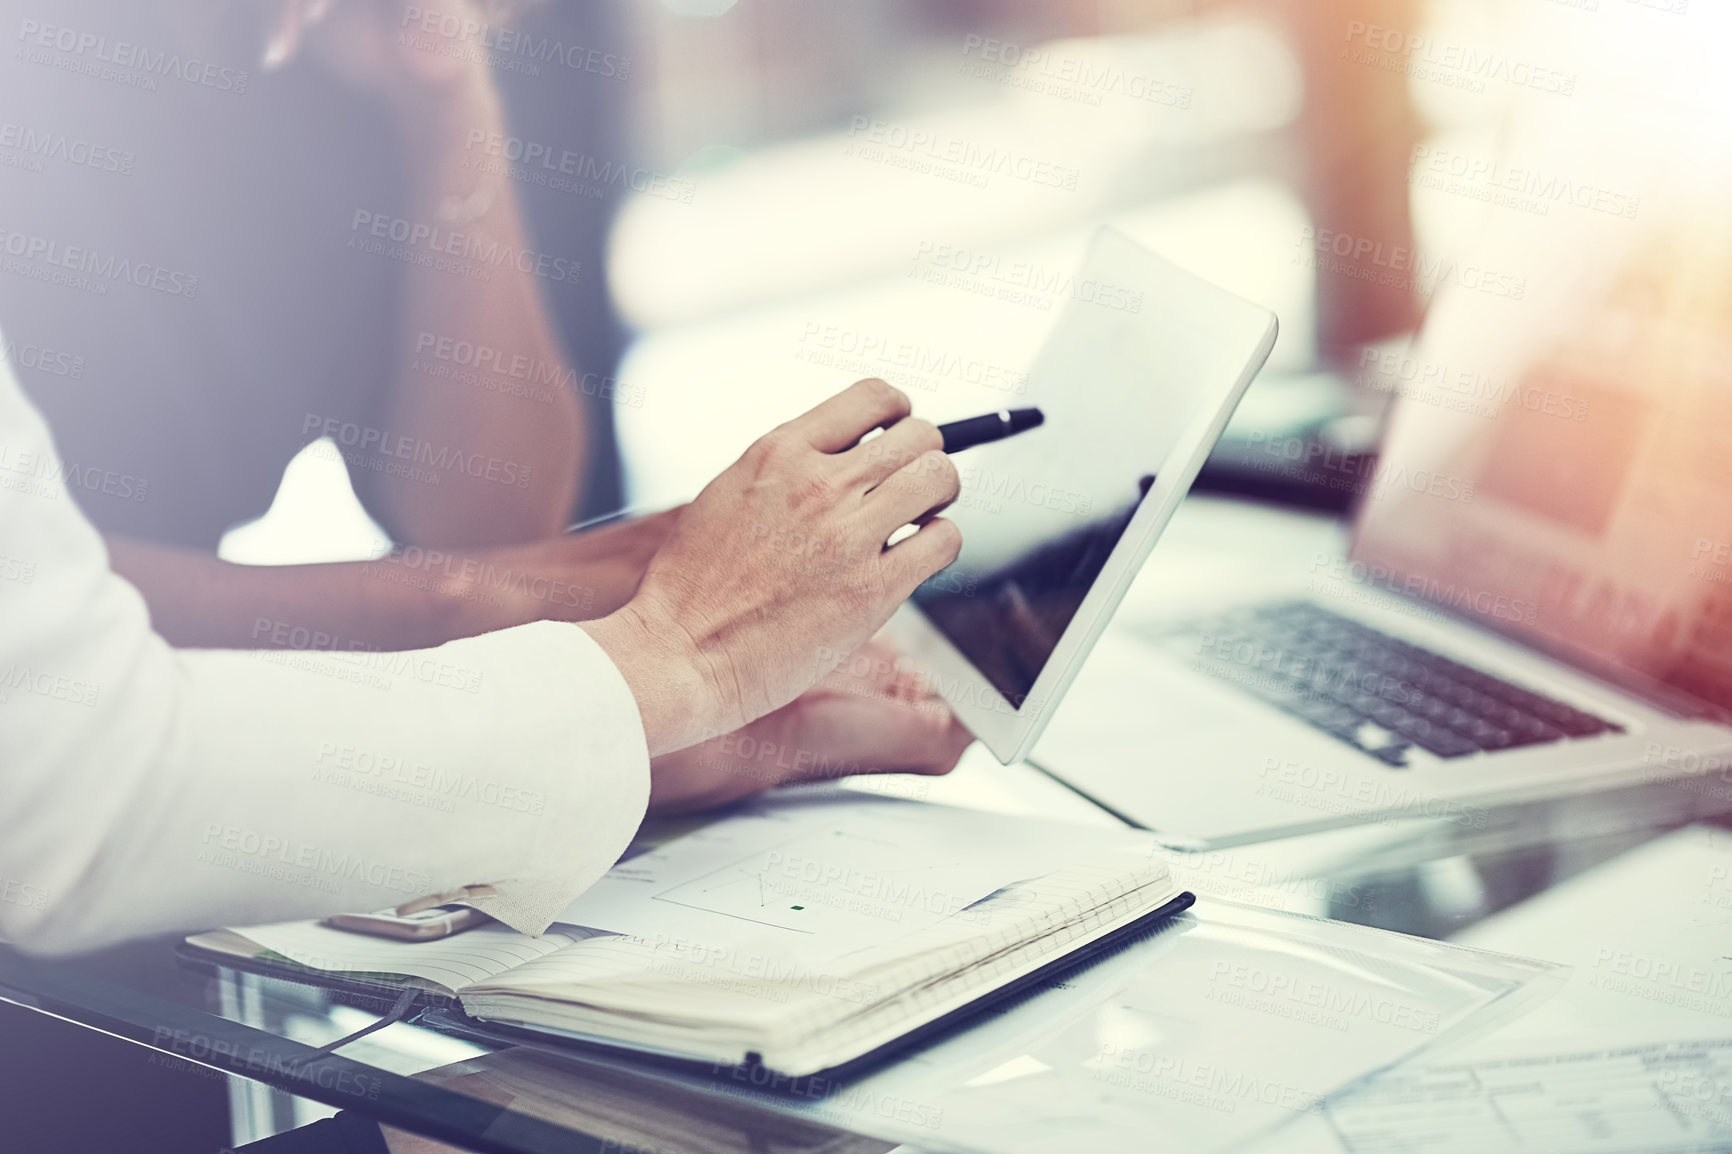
577,578
370,44
870,716
781,567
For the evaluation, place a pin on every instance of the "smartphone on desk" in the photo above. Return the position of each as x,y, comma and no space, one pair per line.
418,926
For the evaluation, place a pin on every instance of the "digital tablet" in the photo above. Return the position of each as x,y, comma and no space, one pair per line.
1143,367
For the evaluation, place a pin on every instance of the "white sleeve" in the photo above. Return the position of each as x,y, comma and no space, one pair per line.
145,789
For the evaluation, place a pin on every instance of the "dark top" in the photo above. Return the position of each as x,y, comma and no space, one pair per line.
177,290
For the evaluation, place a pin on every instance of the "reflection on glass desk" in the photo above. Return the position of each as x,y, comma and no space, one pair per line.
296,1051
1152,1034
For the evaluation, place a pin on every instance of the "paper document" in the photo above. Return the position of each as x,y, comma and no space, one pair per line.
1664,1099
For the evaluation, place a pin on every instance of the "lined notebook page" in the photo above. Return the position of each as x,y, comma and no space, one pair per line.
449,963
1030,923
828,1042
819,878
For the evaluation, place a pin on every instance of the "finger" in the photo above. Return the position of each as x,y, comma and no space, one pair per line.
842,420
930,745
922,486
916,558
901,443
943,754
286,39
877,672
912,686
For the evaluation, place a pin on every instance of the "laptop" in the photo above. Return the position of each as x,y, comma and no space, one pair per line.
1536,600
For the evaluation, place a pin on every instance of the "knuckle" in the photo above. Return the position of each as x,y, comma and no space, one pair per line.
770,451
938,546
815,488
885,395
757,453
923,434
937,464
949,538
876,450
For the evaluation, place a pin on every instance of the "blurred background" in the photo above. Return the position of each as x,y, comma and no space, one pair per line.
810,191
773,198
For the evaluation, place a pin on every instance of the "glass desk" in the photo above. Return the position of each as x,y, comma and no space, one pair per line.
291,1053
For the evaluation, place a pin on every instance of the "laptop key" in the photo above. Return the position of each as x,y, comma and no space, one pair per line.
1443,743
1394,756
1381,695
1434,738
1580,724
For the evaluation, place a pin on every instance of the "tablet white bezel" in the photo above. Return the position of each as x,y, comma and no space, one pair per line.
1011,732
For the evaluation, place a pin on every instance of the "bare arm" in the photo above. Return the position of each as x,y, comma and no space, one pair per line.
529,437
529,417
417,597
513,409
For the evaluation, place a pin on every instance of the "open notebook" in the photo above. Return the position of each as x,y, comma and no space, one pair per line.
802,934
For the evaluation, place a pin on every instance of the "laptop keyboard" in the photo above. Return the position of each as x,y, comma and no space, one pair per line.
1378,694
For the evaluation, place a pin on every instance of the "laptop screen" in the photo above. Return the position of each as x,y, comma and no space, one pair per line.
1560,467
1559,462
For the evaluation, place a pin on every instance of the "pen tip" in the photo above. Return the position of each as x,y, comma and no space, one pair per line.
1021,419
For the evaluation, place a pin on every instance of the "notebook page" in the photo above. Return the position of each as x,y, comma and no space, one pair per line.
635,978
1047,918
1013,916
816,879
720,1008
695,983
821,1043
449,963
576,989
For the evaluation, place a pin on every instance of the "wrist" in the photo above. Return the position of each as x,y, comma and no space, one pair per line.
679,696
459,607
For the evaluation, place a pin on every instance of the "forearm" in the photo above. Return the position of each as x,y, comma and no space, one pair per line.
198,601
516,404
412,598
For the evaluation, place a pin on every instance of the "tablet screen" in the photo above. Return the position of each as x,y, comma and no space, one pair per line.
1007,617
1118,381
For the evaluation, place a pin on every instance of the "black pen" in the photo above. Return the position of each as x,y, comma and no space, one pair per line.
958,435
965,434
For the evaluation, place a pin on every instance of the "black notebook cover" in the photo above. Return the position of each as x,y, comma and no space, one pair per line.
441,1012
